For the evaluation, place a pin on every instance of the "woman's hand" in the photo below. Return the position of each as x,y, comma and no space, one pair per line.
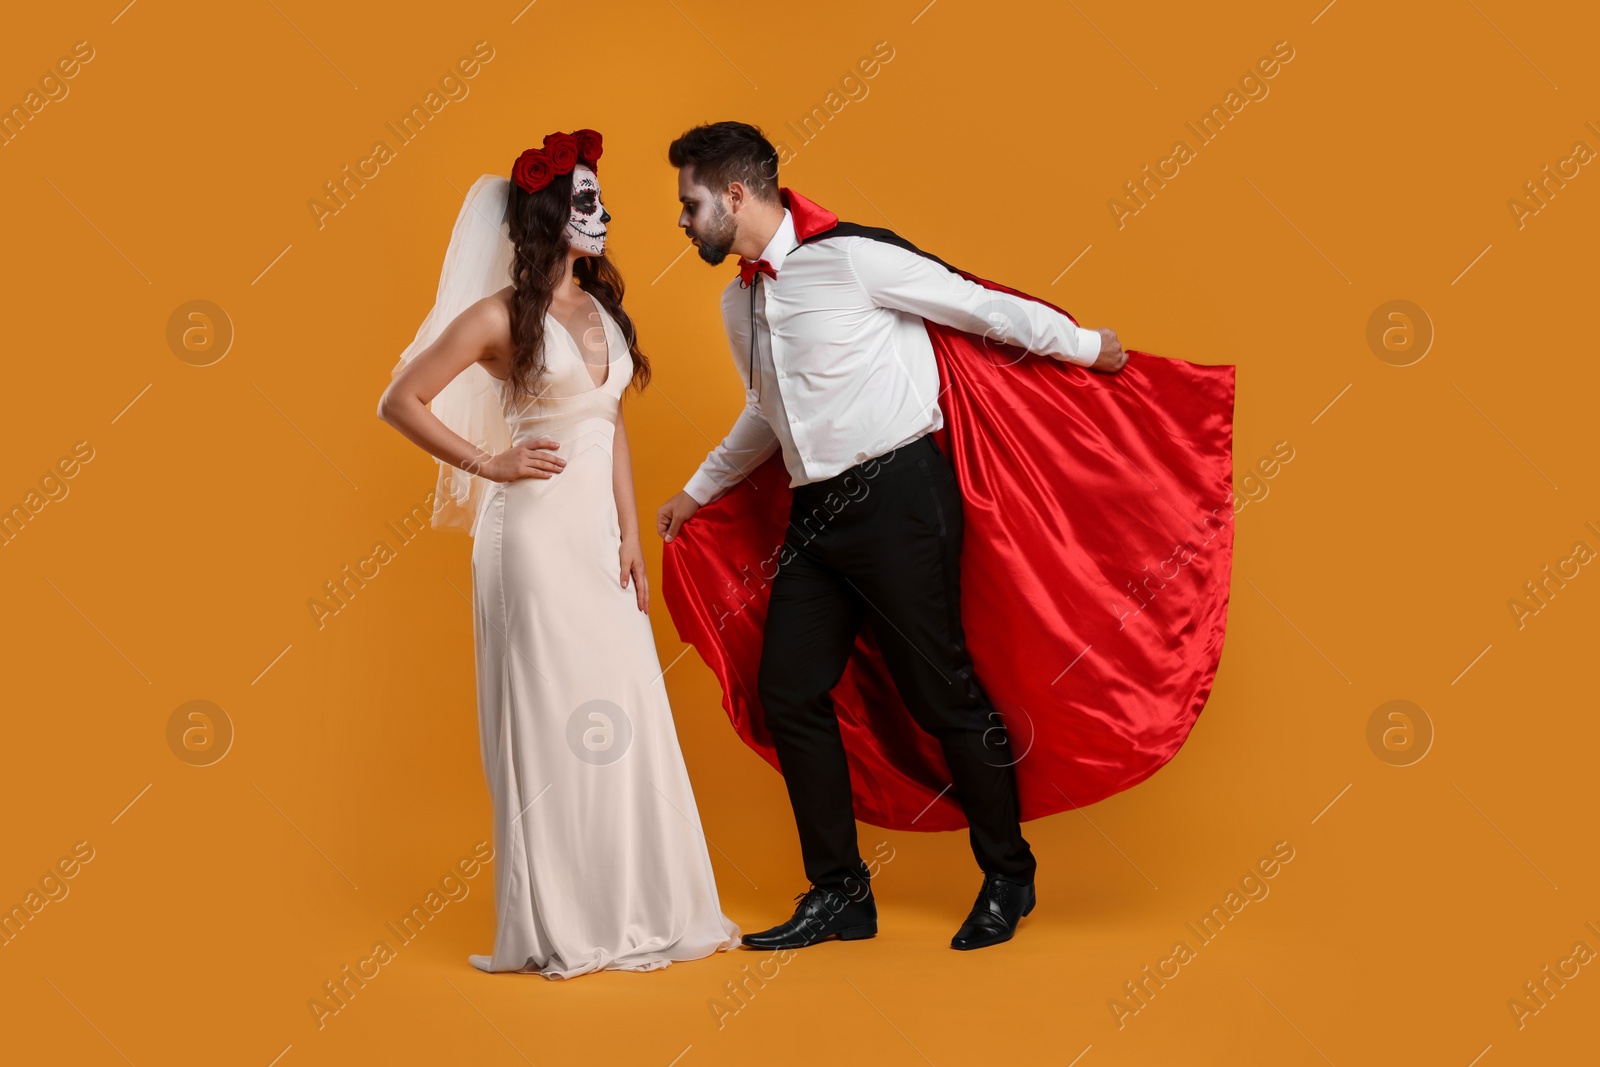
631,558
536,459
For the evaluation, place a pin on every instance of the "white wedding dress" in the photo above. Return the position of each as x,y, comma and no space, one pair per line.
600,861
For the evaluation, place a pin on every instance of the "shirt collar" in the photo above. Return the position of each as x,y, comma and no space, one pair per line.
783,242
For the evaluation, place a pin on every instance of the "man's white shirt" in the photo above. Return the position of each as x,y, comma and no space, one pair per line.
844,367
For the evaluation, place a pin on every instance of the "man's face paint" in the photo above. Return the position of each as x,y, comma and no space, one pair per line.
704,218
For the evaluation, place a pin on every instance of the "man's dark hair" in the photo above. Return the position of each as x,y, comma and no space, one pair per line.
725,152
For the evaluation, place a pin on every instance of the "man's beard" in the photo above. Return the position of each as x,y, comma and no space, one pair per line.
714,245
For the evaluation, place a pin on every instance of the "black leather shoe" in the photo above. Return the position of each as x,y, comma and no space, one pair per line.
823,913
1001,904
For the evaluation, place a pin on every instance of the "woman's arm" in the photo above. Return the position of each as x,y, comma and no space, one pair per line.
404,404
630,554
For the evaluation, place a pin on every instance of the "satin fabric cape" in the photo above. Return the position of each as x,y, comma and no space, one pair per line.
1095,567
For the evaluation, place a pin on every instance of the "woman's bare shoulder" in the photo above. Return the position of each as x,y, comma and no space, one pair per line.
494,310
490,319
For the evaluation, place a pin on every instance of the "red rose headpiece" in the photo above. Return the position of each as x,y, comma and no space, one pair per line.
535,168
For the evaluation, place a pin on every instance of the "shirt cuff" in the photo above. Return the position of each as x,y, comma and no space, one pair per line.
701,488
1088,347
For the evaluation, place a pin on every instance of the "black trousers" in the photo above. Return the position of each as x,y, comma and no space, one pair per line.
881,543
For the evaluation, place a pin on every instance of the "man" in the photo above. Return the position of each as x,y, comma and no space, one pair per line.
842,380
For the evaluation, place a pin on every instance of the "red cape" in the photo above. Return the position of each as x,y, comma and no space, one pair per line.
1095,566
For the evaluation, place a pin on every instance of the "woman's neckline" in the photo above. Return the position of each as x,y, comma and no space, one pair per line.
610,359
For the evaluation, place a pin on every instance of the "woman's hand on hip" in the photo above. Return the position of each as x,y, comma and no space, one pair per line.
534,459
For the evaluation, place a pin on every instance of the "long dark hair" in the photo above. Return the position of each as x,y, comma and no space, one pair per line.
538,224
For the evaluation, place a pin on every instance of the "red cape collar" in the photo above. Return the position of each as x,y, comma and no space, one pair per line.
809,218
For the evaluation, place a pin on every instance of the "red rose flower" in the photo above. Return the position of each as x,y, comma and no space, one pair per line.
533,170
589,146
562,149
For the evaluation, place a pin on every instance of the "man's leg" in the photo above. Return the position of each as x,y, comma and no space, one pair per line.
909,576
813,617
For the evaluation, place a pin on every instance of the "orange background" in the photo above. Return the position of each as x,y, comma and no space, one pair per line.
1376,565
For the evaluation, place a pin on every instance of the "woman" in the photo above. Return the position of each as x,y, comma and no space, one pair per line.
600,859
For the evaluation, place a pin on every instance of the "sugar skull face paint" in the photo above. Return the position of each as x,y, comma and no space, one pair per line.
586,231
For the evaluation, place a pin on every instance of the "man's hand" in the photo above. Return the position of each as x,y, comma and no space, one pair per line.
1111,357
674,513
